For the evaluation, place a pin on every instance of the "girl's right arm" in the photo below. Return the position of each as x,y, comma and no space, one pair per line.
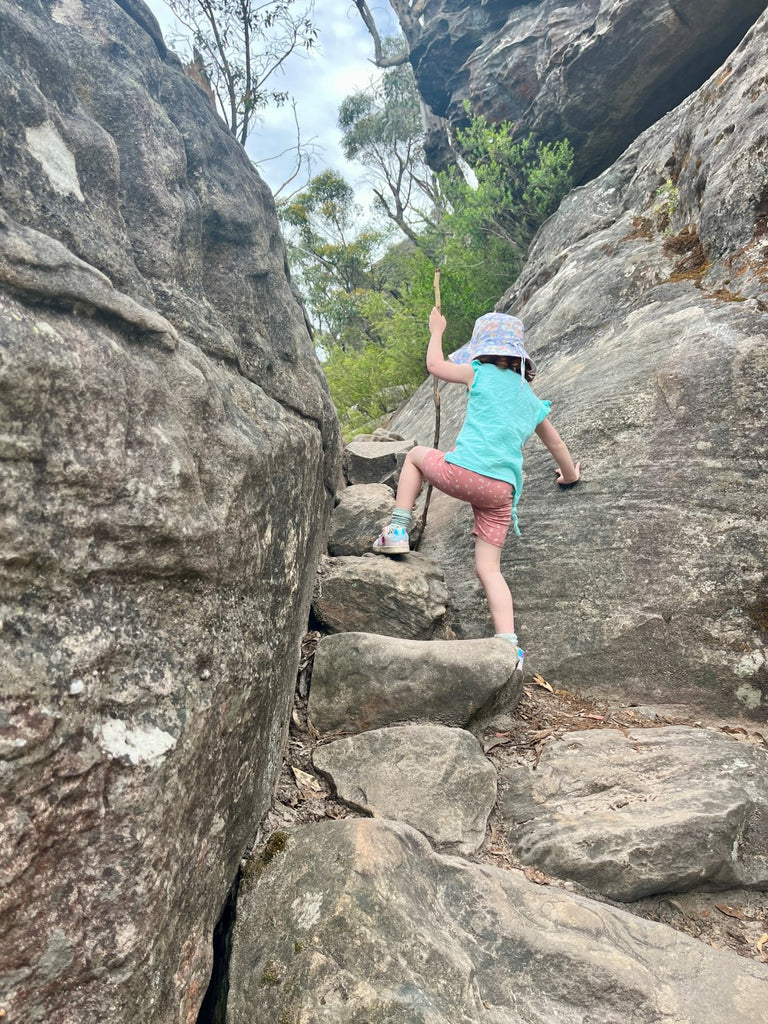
568,470
437,364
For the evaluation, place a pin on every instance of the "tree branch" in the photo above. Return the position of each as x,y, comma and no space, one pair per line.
379,59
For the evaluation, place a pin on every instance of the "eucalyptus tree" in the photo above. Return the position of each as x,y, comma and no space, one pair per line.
334,255
240,45
382,128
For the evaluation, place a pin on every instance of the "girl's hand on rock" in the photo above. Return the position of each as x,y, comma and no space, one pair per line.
563,481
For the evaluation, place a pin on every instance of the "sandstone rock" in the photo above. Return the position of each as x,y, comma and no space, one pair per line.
597,73
168,453
429,776
379,434
652,810
403,596
373,462
361,514
362,681
358,920
647,582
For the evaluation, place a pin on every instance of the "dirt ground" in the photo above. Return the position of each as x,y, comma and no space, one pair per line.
736,920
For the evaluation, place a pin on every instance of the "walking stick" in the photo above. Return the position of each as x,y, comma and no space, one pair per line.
435,382
436,396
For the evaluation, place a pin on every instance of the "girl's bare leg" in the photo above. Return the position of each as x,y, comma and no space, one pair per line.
488,569
409,484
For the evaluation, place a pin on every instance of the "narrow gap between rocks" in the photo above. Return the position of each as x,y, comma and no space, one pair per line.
213,1009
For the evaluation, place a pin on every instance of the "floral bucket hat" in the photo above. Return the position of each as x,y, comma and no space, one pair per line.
495,334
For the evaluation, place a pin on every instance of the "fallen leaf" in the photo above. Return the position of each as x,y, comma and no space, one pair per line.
595,718
730,911
735,729
307,781
542,682
761,942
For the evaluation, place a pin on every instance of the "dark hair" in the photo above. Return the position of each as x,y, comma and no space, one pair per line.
509,363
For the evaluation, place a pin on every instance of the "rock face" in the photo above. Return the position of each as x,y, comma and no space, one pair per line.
636,813
359,921
168,450
646,313
597,72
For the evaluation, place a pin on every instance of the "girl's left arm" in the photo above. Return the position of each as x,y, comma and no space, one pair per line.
437,364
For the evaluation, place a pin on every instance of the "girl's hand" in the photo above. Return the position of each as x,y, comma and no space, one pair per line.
437,322
562,481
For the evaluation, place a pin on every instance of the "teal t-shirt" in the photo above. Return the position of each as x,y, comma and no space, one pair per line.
502,413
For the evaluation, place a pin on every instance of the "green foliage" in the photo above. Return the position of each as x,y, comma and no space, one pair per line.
333,256
373,305
518,184
667,201
382,129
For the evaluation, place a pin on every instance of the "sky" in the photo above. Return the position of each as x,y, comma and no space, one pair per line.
319,80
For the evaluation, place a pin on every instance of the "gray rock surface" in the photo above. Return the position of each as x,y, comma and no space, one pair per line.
360,516
647,582
374,462
404,596
431,777
168,450
362,681
629,814
359,921
597,72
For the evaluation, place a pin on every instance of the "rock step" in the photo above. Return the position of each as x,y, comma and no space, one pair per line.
361,514
364,681
375,462
628,814
404,596
432,777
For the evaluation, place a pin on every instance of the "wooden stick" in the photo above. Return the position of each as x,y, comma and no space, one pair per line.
436,397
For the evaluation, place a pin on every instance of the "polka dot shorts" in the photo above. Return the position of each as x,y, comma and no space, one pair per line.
491,500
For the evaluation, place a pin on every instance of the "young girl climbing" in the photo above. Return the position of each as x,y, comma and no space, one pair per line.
485,467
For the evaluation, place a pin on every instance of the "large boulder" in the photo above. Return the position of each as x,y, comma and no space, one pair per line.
363,681
399,596
597,72
168,456
361,514
430,776
628,814
359,922
646,314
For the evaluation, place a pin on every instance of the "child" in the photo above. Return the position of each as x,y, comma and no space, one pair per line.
485,467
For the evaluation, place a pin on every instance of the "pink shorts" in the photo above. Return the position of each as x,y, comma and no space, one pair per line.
491,500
